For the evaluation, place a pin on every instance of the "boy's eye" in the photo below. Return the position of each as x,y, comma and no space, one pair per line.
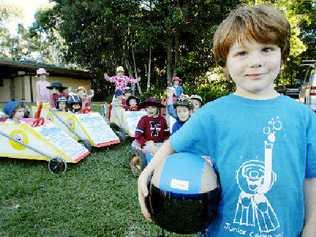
267,49
240,53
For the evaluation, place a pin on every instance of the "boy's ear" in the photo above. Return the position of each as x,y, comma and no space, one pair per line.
226,73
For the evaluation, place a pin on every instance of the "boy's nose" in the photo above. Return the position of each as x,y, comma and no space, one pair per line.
255,60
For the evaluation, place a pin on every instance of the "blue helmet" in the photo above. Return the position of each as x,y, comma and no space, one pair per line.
184,194
73,99
10,107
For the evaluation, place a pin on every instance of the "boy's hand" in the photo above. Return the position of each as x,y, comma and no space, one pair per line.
149,147
143,193
154,149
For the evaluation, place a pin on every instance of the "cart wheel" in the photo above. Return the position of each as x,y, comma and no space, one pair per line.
137,162
57,166
86,144
122,135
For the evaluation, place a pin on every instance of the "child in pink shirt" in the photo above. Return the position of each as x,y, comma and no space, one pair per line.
42,93
120,80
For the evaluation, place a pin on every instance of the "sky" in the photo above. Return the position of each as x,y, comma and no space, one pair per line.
28,9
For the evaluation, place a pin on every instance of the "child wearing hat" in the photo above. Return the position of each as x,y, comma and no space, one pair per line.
183,110
197,102
132,103
120,80
86,97
42,93
152,129
15,111
61,104
56,90
74,103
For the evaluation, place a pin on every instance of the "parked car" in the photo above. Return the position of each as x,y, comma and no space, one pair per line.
290,90
308,89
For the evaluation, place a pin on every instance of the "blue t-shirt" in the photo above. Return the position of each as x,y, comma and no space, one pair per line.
176,126
263,150
172,111
178,91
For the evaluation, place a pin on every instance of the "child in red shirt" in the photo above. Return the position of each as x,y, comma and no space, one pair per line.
152,129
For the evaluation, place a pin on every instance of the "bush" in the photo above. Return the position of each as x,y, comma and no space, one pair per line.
210,86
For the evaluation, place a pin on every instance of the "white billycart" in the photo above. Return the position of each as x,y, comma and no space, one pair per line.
126,121
89,129
45,142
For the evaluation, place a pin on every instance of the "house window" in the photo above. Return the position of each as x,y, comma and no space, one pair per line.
1,82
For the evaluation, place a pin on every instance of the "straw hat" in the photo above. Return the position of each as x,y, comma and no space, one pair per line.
175,78
151,101
81,88
41,71
119,69
57,85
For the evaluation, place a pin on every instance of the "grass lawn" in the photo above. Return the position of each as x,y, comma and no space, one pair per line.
97,197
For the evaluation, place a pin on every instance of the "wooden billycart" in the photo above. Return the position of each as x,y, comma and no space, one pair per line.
90,129
126,121
41,142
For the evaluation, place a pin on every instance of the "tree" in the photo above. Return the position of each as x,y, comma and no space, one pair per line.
299,14
153,39
7,13
171,36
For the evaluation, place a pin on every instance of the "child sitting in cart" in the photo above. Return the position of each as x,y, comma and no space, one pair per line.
56,90
132,103
86,97
15,110
183,109
197,102
62,104
74,103
152,129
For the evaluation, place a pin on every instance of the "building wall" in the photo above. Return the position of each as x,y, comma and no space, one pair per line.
71,83
5,90
19,88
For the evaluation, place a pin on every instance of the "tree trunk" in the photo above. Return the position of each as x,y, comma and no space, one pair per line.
176,51
135,72
149,70
169,61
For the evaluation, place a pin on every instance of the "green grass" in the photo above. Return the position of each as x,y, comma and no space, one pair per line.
97,197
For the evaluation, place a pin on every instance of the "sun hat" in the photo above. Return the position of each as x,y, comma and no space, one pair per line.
175,78
81,88
151,101
41,71
119,69
56,85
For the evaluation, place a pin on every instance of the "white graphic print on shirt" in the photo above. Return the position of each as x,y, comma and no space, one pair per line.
255,178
